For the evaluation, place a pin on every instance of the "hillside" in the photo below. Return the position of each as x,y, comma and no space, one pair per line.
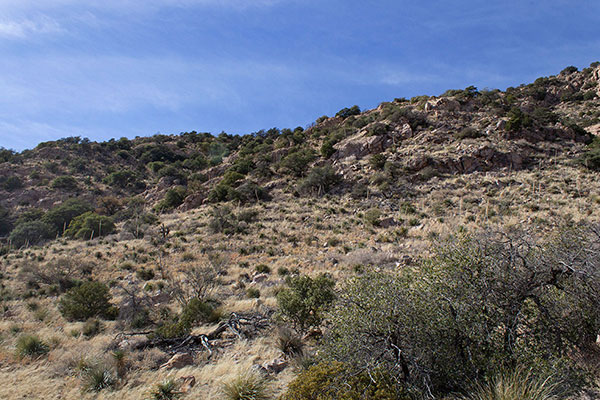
195,234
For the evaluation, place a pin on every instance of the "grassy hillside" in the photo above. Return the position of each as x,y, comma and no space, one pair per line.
118,255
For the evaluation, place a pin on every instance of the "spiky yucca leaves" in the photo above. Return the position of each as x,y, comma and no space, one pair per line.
247,386
98,377
166,390
514,385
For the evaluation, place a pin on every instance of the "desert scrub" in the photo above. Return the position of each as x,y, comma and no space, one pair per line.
90,299
333,381
30,346
248,386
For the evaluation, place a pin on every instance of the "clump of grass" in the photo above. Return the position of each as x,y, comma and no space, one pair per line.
31,346
166,390
516,385
247,386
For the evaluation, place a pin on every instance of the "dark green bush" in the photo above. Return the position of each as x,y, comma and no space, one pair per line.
61,216
319,180
65,182
124,179
569,70
193,312
348,112
173,199
484,303
305,299
296,163
90,225
12,183
32,233
518,120
377,161
5,222
90,299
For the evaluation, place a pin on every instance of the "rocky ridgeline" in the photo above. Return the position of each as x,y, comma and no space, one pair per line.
459,132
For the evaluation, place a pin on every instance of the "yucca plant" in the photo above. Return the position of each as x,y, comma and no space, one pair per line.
514,385
97,377
247,386
31,346
166,390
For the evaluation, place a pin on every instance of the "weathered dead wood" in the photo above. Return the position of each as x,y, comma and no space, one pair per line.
243,326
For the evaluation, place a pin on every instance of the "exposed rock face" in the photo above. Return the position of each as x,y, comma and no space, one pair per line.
360,145
442,103
596,75
594,129
179,360
192,201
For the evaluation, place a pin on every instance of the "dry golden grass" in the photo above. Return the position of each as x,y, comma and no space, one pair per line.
310,235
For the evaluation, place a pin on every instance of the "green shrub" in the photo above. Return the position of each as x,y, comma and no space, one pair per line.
12,183
336,381
145,274
319,181
348,112
253,293
327,149
372,216
468,133
195,311
173,198
61,216
296,163
377,161
30,346
124,179
484,303
5,221
65,182
305,299
89,225
90,299
262,269
518,120
32,233
569,70
248,386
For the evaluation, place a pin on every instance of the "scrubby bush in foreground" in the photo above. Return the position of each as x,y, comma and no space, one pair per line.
484,303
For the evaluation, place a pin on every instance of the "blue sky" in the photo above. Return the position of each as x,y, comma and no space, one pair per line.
111,68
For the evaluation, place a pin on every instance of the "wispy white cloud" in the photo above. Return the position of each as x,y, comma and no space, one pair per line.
23,28
12,6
